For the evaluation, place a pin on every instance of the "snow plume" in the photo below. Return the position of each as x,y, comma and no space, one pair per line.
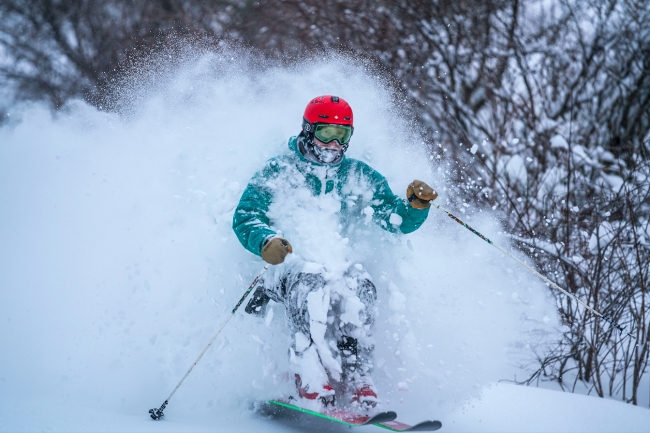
118,261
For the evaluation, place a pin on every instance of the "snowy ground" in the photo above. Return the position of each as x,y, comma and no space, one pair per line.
503,408
118,263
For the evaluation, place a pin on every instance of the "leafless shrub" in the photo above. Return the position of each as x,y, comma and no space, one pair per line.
55,50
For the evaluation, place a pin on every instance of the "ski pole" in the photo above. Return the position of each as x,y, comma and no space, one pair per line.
156,414
601,316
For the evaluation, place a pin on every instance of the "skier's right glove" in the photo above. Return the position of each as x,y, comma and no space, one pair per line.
275,250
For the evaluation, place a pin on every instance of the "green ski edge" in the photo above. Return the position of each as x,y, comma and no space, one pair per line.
401,427
391,415
310,412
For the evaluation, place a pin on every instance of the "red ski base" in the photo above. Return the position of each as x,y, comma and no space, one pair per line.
400,426
384,419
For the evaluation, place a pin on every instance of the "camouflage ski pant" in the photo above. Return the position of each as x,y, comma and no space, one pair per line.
335,314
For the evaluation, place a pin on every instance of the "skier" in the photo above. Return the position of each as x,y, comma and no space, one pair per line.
330,313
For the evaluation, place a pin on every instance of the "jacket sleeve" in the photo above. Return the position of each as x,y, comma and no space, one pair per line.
250,223
391,212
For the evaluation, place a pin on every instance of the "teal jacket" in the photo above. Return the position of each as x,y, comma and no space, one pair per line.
253,227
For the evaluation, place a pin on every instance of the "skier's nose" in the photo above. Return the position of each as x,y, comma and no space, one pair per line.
333,145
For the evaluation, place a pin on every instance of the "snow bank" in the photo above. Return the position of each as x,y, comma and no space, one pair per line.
118,262
510,408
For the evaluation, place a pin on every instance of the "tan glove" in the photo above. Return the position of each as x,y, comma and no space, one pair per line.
276,250
419,194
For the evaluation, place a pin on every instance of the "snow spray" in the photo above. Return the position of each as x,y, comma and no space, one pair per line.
117,248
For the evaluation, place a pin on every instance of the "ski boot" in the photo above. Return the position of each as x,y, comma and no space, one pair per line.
356,364
325,395
363,392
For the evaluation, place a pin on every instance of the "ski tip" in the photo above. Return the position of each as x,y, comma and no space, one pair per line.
381,417
426,426
401,427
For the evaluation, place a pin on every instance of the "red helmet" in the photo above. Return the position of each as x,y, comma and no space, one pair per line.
329,110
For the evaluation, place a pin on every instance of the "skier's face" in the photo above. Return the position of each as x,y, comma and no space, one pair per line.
327,152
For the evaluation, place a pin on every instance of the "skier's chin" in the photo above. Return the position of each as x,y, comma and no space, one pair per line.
326,155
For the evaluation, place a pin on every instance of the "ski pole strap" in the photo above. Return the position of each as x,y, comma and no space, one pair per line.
599,315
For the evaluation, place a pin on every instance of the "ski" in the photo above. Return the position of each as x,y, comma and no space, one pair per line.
400,426
341,415
384,419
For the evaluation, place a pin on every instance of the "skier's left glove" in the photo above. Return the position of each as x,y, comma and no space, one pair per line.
275,250
419,194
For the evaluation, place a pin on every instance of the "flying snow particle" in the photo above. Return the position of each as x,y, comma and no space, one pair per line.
318,305
368,211
200,195
353,307
302,342
269,317
515,141
397,301
474,149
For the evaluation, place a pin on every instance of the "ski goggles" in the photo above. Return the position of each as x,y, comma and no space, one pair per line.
328,133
